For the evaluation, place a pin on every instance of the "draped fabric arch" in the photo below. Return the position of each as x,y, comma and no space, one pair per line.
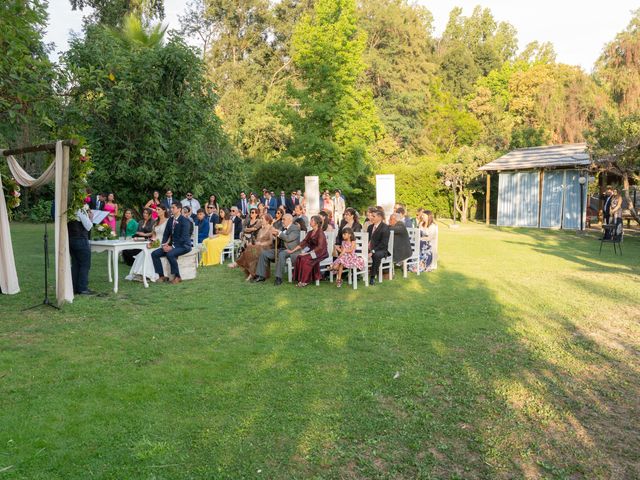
59,170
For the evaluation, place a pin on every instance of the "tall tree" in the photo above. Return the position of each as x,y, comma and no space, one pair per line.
473,46
401,67
334,120
147,110
619,67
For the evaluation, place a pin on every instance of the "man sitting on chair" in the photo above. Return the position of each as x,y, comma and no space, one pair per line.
378,243
401,240
288,239
175,242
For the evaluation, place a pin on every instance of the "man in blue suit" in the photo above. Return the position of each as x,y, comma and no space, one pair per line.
271,204
175,242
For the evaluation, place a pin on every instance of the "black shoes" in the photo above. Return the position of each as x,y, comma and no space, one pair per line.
259,279
87,292
372,282
278,281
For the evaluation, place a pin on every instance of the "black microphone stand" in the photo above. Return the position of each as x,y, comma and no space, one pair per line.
46,300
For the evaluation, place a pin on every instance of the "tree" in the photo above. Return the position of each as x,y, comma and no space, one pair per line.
614,144
472,47
27,101
147,112
464,176
113,12
618,68
401,67
334,119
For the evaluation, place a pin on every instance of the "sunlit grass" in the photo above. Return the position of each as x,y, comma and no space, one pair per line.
518,358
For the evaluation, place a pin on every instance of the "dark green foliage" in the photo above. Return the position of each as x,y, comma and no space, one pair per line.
523,137
279,174
148,115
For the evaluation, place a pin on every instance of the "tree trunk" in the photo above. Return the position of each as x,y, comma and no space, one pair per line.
627,197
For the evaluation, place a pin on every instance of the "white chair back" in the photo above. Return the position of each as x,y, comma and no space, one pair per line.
230,248
414,259
362,250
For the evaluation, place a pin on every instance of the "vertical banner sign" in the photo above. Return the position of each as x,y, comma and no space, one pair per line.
312,195
386,193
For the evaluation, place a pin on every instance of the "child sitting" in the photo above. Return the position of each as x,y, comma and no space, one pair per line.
348,258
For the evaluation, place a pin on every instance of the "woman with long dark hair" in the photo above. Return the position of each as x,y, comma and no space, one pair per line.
314,250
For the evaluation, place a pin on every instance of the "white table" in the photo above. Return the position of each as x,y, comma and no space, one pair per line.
113,248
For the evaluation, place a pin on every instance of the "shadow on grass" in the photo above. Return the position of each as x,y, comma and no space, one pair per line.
429,377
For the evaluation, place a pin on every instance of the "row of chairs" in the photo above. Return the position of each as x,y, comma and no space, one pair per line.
362,249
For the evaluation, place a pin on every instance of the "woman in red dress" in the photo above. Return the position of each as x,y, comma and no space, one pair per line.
314,247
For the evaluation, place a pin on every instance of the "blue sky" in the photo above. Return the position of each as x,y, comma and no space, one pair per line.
577,29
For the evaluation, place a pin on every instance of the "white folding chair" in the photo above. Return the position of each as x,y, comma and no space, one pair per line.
362,250
230,249
387,262
414,259
325,264
289,265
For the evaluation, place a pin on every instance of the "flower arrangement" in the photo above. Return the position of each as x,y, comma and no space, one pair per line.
102,231
80,167
11,191
155,244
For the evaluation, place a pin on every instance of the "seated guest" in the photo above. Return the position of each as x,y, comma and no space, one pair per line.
144,231
349,220
277,221
428,243
236,218
288,239
186,213
175,242
298,212
214,246
248,260
369,216
203,225
128,224
251,226
401,240
212,217
144,263
314,250
301,224
326,221
401,212
378,243
347,257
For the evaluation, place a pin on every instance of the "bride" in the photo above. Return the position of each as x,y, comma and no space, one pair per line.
158,232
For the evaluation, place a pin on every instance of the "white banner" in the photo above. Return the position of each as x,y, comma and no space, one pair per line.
386,193
312,195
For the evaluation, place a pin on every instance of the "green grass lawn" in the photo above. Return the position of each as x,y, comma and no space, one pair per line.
518,358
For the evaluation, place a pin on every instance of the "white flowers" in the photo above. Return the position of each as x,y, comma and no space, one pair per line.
100,228
83,152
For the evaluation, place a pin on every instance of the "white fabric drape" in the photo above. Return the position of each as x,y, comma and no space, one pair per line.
26,180
8,275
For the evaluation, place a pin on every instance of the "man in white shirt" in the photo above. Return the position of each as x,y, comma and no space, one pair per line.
191,202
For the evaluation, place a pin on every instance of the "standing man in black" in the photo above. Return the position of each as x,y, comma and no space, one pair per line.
606,208
378,243
243,206
168,200
291,202
80,251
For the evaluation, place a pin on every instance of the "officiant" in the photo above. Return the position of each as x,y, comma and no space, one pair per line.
80,251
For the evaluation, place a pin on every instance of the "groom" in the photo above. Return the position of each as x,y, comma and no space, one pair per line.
175,242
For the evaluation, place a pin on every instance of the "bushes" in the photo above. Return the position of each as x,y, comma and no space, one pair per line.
418,185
